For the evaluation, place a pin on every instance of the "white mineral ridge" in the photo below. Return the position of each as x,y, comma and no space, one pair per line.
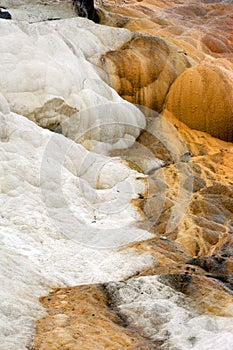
59,205
163,314
47,77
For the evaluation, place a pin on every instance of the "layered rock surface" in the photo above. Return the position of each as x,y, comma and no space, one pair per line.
48,79
78,318
143,70
208,93
57,198
201,31
165,199
56,220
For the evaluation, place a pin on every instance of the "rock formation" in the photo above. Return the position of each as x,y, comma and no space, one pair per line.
50,93
207,100
202,34
85,8
116,220
143,70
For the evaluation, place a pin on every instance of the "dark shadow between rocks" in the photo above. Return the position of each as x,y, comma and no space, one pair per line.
177,281
86,9
5,14
216,267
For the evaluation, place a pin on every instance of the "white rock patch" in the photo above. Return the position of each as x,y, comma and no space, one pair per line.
60,205
47,77
54,221
163,314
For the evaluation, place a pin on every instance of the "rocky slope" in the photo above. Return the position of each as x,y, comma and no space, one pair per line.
202,33
123,215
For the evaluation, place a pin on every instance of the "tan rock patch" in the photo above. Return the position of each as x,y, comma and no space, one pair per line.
206,102
79,318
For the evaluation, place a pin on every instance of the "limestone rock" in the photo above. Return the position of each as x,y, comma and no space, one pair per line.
165,200
143,70
162,314
39,10
202,33
48,78
206,102
80,317
55,200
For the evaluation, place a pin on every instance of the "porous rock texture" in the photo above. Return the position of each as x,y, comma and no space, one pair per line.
57,198
124,215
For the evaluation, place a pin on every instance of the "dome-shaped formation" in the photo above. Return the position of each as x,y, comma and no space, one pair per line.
202,98
143,70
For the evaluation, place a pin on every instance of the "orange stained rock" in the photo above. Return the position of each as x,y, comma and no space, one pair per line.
190,83
198,27
207,222
206,102
79,318
202,33
143,70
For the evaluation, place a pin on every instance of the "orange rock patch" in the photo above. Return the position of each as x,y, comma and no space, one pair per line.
79,318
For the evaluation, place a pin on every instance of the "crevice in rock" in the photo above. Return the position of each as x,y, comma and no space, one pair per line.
4,14
86,9
217,267
178,281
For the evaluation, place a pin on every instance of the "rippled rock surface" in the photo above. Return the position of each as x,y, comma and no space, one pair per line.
202,34
116,220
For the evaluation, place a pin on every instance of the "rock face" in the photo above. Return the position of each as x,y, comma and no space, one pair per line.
165,315
80,318
39,10
49,82
207,223
124,213
59,82
58,221
140,313
207,100
201,32
143,70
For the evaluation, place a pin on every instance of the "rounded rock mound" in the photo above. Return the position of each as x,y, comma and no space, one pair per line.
202,98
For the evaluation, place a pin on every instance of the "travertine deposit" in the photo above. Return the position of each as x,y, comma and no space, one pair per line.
143,70
116,221
206,102
201,32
